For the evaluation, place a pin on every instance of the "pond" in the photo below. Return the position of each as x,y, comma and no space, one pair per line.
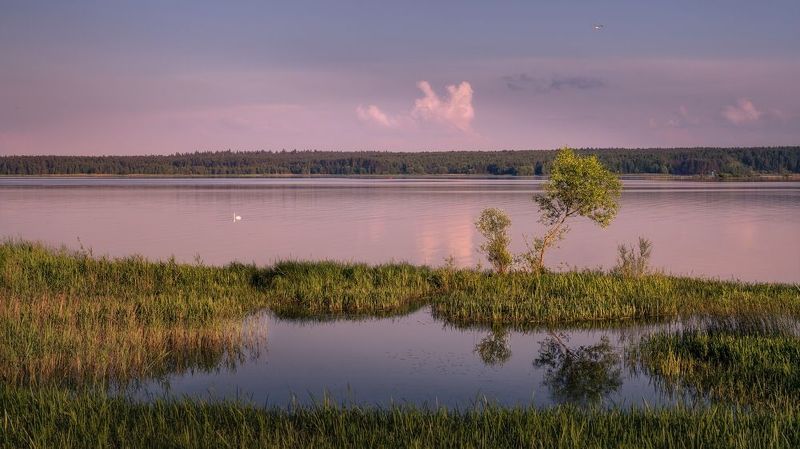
416,359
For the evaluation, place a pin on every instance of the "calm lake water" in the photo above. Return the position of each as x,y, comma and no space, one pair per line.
748,231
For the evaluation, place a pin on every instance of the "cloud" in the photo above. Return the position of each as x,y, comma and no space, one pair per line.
743,112
524,81
373,114
455,111
681,118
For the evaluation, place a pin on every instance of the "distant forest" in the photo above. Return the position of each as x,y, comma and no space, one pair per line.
672,161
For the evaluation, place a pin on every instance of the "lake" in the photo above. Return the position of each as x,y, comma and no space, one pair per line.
746,231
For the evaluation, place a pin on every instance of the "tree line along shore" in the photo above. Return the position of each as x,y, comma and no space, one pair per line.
720,163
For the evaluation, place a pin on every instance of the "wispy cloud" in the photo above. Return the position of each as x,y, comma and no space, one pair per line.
744,111
555,83
373,114
681,118
455,110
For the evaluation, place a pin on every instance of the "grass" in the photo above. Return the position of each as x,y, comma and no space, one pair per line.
48,417
556,298
745,358
320,289
70,324
68,317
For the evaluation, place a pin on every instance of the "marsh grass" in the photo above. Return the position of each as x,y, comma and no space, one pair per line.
69,319
582,296
66,316
754,358
55,418
308,289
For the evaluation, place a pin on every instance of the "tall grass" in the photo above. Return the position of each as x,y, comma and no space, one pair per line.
309,289
753,358
47,418
553,298
68,317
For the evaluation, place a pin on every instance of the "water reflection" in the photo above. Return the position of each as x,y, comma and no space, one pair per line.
493,349
420,360
586,374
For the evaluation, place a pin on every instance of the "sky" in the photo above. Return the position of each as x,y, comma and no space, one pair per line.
156,77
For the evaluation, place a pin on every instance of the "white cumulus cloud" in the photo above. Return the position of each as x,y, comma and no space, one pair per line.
455,110
744,111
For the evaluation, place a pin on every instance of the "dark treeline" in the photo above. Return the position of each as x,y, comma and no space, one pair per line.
672,161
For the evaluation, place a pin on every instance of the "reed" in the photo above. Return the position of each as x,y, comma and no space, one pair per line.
66,316
56,418
751,358
584,296
69,319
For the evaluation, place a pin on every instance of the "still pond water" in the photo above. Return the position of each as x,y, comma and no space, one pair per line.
747,231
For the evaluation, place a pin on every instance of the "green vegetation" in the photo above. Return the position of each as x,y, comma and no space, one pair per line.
70,324
523,299
753,357
322,289
579,186
69,317
493,225
51,418
724,162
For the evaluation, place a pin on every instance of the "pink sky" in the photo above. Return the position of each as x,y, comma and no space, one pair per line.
89,79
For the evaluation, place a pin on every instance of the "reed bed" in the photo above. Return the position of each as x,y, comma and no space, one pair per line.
319,289
66,316
48,417
593,296
69,319
752,358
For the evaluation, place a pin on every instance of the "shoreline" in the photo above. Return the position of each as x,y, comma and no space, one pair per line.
795,177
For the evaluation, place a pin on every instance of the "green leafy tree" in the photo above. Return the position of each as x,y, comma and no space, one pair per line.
579,186
493,225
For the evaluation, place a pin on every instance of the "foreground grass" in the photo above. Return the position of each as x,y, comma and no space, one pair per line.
66,317
744,359
53,418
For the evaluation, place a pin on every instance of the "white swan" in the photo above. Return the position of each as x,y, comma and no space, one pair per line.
236,217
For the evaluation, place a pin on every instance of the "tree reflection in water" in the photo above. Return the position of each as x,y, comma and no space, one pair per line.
493,349
584,375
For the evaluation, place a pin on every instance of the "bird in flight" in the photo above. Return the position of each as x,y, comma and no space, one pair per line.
598,26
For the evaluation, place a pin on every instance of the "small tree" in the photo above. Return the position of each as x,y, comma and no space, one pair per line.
578,186
493,225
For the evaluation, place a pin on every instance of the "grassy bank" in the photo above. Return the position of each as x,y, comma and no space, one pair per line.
53,418
68,317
